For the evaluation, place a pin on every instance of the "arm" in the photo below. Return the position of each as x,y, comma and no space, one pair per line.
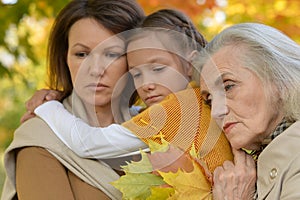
39,98
86,141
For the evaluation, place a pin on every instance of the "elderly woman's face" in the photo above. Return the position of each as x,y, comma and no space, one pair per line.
241,105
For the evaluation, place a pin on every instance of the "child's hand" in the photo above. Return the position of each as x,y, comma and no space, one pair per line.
171,160
37,99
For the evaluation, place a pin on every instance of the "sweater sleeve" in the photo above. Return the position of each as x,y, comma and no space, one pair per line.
89,142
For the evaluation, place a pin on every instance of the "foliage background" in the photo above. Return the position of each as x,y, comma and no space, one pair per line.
25,26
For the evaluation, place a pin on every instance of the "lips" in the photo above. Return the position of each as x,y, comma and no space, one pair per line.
153,98
228,126
97,86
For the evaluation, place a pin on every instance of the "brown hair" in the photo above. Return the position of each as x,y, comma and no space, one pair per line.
115,15
175,20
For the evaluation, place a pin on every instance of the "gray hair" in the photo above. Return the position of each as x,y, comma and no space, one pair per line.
269,53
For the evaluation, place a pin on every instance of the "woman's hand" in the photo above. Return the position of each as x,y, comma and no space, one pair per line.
37,99
235,180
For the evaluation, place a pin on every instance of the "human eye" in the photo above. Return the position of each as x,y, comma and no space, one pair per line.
113,55
135,74
158,68
228,85
81,54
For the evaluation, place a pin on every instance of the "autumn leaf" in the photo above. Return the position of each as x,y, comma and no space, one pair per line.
188,185
142,166
193,151
181,176
137,186
161,193
156,147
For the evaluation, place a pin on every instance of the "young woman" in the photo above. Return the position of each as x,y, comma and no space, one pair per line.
39,166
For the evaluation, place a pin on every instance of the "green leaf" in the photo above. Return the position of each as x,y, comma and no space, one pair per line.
137,186
142,166
156,147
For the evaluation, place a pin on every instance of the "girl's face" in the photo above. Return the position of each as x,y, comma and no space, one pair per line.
156,72
241,104
95,63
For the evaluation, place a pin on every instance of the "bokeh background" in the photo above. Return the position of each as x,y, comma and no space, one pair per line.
25,26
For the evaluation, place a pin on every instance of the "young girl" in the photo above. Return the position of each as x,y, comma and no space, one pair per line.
159,59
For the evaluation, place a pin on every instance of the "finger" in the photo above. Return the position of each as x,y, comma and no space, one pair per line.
224,186
228,165
239,157
26,116
37,99
54,95
218,183
250,161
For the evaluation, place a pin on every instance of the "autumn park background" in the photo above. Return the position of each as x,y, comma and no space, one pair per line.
25,25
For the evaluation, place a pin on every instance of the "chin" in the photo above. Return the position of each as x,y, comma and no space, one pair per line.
237,145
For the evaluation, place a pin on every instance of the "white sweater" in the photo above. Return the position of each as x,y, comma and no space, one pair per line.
89,142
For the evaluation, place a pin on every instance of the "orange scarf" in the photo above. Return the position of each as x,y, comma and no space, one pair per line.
183,119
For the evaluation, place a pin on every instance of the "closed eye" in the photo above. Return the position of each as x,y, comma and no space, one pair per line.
158,68
113,54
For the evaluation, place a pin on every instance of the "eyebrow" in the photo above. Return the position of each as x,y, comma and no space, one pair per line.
80,44
218,81
158,59
106,48
220,78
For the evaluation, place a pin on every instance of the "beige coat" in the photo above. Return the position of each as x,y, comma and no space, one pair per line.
36,132
278,167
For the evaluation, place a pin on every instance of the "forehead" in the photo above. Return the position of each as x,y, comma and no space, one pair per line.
88,31
149,49
224,61
145,41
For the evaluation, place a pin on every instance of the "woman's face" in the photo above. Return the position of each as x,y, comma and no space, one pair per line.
241,105
95,63
156,72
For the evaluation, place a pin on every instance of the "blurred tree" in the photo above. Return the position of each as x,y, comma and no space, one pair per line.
24,29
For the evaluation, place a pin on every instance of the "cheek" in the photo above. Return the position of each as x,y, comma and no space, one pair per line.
174,81
117,71
141,93
73,68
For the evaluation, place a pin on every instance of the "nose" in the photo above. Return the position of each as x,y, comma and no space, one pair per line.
97,68
148,86
145,82
219,108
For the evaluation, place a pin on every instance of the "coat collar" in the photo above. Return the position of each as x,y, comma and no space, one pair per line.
273,160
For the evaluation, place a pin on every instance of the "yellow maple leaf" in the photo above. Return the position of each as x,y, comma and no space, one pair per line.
188,186
161,193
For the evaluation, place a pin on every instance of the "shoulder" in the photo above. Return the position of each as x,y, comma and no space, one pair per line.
35,132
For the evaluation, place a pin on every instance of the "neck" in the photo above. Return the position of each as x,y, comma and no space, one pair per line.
99,116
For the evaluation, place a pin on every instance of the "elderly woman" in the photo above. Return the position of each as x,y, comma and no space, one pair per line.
251,79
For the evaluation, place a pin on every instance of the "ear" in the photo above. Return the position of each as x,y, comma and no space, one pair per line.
190,58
